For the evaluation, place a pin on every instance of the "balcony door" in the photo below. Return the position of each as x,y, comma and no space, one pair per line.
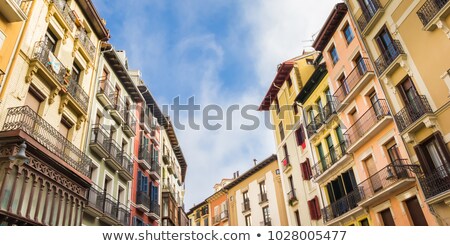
331,149
434,157
386,216
376,105
368,7
375,180
386,45
411,99
360,64
323,161
415,212
50,41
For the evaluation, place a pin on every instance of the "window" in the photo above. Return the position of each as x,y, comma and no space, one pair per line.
364,222
138,221
348,33
415,212
64,127
314,208
345,88
34,99
281,129
154,192
306,170
434,157
360,63
334,54
300,136
295,107
2,39
76,71
266,216
297,217
291,183
339,134
286,156
368,7
245,196
248,220
331,149
393,152
262,187
409,94
386,45
142,182
371,170
50,41
322,158
344,185
387,218
205,222
328,95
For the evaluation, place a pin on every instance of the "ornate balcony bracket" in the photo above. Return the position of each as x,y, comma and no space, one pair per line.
63,103
430,122
80,121
409,138
53,94
443,26
32,70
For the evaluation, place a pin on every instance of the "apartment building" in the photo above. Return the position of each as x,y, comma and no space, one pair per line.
295,159
407,40
199,215
44,171
218,202
111,144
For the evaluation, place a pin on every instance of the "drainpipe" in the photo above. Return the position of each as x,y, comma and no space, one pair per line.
12,63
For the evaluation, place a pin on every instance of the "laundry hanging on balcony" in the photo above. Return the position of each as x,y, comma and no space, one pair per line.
54,63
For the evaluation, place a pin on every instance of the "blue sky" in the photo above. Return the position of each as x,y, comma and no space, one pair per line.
221,52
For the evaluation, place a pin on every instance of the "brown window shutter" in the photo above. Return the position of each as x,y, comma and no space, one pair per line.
422,159
302,169
316,201
311,210
443,147
308,169
297,136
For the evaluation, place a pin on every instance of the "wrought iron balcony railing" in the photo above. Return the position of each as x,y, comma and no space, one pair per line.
65,11
436,181
386,177
114,150
352,80
224,215
144,154
77,92
86,42
100,136
367,121
341,206
126,162
368,13
105,88
329,110
246,206
415,109
388,56
335,154
143,199
130,120
292,197
123,215
118,105
430,9
155,207
25,119
266,222
54,66
108,205
155,166
314,125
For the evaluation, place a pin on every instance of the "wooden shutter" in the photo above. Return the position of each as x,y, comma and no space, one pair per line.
311,209
139,181
308,169
317,207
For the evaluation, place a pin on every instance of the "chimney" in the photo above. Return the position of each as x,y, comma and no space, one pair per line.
237,174
254,161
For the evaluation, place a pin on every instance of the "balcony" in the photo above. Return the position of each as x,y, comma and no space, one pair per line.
105,207
127,166
393,178
144,158
313,126
142,202
267,222
49,67
105,93
118,110
168,187
155,171
169,164
129,128
154,137
145,122
368,125
433,11
217,219
330,162
114,158
286,164
63,14
413,111
79,95
388,60
370,14
353,84
262,198
292,198
99,141
123,215
25,119
246,206
224,215
342,206
85,44
329,110
154,212
12,10
436,184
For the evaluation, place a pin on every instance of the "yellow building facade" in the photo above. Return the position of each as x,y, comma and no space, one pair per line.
407,41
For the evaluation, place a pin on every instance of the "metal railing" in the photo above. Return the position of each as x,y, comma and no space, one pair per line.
267,222
224,215
77,92
416,108
66,12
123,215
342,205
107,204
155,207
351,81
106,88
292,197
262,197
330,159
389,175
388,56
25,119
130,120
154,165
328,110
315,124
126,162
368,13
99,136
114,150
119,105
437,181
95,197
142,198
86,42
144,154
430,9
245,205
110,206
54,66
367,121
